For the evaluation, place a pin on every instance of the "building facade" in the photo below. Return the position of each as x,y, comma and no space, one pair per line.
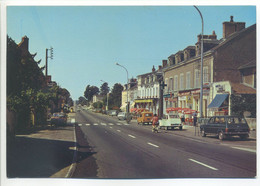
223,60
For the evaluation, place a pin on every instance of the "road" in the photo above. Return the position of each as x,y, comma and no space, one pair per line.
109,148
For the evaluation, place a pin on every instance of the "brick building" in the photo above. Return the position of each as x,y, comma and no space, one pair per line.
228,59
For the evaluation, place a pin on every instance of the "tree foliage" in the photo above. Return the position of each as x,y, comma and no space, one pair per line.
27,93
116,96
82,101
90,92
242,103
104,89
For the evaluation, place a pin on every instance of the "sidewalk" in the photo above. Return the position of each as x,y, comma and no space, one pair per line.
46,153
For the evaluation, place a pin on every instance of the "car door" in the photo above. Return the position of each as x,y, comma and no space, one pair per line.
208,126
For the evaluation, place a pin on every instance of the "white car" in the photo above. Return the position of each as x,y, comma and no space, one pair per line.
170,121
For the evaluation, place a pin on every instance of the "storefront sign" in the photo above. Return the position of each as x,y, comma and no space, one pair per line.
144,101
189,99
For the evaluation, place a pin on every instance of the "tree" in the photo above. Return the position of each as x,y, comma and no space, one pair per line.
116,96
82,101
90,92
104,89
242,103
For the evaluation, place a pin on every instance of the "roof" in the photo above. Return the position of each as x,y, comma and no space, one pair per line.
234,35
239,88
251,64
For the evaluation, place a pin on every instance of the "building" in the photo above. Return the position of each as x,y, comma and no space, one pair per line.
97,98
229,59
132,95
148,89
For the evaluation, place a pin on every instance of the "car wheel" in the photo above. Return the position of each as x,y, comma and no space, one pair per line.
203,134
221,135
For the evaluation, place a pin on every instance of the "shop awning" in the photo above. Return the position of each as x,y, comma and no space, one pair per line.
218,100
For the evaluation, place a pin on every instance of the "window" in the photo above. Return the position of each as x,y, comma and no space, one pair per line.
196,78
176,83
205,75
181,81
188,80
171,84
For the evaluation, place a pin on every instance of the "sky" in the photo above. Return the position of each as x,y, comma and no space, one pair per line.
89,40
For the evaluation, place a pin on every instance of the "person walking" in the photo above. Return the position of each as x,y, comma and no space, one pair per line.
155,123
195,117
182,118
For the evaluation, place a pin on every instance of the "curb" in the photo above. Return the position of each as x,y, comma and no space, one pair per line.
74,160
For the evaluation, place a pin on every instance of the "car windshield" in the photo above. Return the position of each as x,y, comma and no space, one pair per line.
236,120
148,115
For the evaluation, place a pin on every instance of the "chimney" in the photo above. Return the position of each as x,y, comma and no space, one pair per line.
153,69
159,67
232,27
164,63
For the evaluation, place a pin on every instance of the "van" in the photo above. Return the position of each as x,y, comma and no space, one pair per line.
145,117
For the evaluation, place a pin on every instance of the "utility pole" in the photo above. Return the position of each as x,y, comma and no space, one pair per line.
162,85
46,62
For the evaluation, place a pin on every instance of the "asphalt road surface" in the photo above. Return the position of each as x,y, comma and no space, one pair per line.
109,148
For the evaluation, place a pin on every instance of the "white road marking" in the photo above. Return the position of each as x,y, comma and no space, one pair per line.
119,124
111,124
79,125
118,130
203,164
131,136
95,124
103,124
152,144
126,124
111,127
87,124
245,149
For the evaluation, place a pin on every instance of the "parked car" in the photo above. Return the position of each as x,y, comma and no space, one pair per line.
121,115
170,121
112,113
58,118
224,126
145,117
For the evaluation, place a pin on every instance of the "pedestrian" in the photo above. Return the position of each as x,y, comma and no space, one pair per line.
195,115
182,118
155,123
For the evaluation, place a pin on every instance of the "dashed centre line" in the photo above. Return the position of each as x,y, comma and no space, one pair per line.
131,136
79,125
203,164
118,130
87,124
153,145
95,124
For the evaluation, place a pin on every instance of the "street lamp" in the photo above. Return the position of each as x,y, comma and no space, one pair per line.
127,108
107,95
201,68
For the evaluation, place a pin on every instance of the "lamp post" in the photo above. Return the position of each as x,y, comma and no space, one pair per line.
107,95
127,107
201,68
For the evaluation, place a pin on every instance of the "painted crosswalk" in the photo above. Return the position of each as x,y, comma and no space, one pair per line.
102,124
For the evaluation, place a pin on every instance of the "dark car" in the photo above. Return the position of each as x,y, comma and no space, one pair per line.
58,118
225,126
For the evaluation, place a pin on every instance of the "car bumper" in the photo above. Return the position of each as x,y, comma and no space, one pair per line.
236,133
